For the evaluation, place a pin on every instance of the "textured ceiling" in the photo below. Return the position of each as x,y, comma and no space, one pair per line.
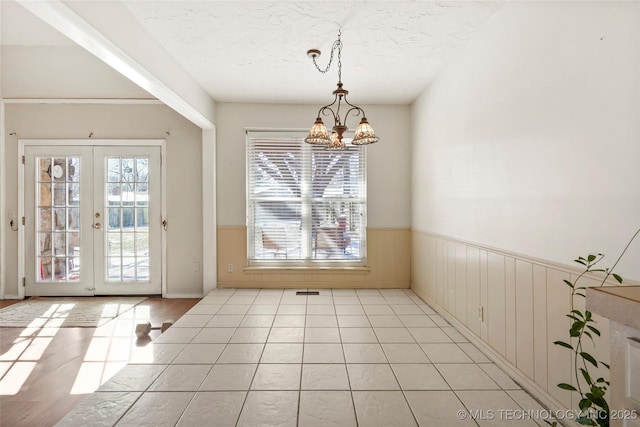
256,51
242,51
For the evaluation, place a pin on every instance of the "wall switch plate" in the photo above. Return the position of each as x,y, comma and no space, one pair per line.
229,268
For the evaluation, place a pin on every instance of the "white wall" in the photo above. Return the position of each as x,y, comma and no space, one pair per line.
61,72
529,141
388,181
183,163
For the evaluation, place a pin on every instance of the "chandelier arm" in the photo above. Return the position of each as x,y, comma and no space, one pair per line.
359,111
324,112
346,101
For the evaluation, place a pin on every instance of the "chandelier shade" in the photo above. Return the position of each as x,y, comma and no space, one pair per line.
336,142
364,134
319,134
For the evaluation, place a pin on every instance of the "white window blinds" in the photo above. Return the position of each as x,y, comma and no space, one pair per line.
304,204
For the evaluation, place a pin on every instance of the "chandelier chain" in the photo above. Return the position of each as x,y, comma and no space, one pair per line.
339,59
336,45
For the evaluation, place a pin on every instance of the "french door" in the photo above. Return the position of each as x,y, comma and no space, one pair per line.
92,220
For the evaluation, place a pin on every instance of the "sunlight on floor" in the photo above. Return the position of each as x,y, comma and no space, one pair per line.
12,382
112,346
29,347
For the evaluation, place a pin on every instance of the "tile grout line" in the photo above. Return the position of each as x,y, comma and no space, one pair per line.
344,356
246,396
304,335
210,369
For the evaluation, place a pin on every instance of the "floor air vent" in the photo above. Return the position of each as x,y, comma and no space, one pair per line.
307,293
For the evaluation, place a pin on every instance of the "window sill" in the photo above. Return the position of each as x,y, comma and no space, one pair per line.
315,269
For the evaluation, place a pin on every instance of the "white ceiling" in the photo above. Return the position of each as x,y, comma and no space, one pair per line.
240,51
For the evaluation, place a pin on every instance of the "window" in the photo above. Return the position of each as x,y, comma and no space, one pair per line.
305,204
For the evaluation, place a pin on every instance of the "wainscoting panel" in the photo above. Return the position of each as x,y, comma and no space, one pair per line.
511,305
496,306
540,339
473,289
510,308
388,264
557,325
524,317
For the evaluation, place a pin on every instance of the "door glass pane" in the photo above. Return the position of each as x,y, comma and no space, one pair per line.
126,185
58,219
128,243
73,218
114,271
114,218
142,270
74,194
142,244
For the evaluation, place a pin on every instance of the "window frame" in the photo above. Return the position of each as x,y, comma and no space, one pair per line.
307,200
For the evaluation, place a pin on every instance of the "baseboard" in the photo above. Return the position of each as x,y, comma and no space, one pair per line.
314,285
538,393
10,296
178,295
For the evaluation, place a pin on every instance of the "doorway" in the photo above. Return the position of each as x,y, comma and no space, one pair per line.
93,220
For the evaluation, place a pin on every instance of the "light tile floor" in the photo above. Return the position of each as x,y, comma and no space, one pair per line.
346,357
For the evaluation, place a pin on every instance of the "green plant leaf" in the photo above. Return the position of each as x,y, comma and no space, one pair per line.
563,344
576,328
568,283
591,258
589,358
578,313
599,401
594,330
606,365
585,421
566,386
618,278
597,392
579,261
586,376
584,404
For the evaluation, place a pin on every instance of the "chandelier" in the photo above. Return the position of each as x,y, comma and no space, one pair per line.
318,134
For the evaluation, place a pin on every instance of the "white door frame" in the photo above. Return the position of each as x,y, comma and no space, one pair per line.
22,143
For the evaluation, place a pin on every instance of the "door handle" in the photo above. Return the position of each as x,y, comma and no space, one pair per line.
97,226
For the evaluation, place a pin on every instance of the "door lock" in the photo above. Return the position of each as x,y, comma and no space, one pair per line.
97,226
